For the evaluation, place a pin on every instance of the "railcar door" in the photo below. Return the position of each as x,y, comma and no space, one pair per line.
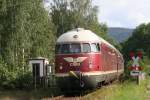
95,59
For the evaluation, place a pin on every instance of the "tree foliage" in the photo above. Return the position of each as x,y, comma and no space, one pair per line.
69,14
139,41
26,31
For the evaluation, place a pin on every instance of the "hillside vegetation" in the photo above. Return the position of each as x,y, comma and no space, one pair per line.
139,41
120,34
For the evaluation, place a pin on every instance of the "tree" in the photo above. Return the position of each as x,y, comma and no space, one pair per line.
69,14
139,41
26,31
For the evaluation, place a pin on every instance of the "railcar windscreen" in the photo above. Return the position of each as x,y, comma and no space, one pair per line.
74,48
86,48
68,48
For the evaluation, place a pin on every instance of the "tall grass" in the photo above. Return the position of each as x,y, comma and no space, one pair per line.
129,90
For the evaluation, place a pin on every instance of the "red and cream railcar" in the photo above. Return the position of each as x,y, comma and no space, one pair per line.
84,60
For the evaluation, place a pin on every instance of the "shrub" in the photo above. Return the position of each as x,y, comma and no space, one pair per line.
24,80
11,79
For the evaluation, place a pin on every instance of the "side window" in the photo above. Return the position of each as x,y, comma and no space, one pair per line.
98,46
86,48
95,47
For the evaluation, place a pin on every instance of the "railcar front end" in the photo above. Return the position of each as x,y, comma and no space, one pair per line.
76,64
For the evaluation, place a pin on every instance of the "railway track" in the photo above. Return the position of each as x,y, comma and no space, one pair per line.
62,97
81,95
69,97
76,95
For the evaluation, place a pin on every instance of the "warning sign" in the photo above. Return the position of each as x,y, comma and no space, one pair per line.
135,68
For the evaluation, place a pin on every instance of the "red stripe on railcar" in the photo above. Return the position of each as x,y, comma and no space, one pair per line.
91,63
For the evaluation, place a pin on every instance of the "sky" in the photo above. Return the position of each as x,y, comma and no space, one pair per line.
123,13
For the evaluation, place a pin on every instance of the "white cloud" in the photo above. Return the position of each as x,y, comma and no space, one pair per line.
123,13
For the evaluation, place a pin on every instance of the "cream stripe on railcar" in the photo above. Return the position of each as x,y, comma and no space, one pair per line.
90,73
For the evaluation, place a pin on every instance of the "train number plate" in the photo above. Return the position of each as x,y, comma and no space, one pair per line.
75,64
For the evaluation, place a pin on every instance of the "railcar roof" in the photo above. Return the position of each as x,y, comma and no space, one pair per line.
78,35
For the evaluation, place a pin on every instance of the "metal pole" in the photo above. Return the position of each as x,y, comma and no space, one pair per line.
35,77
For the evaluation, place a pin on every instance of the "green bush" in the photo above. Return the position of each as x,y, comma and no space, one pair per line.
16,78
127,70
23,80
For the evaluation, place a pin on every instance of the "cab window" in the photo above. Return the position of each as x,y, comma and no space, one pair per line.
86,48
68,48
58,49
75,48
65,48
95,47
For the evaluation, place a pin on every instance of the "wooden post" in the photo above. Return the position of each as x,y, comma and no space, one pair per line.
141,77
138,79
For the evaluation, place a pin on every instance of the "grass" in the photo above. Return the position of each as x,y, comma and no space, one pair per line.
39,94
128,90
